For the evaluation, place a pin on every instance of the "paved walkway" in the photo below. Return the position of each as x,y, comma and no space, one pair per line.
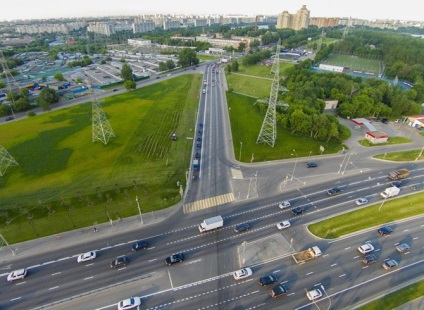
45,244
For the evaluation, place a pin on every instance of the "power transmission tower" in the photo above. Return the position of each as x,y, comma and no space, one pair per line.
268,133
6,160
322,36
12,85
101,129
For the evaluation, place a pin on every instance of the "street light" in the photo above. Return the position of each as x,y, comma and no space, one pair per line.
139,210
328,297
241,146
295,163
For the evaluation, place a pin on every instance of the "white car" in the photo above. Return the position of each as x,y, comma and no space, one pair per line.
283,225
242,273
130,303
284,204
86,256
366,248
314,294
17,274
361,201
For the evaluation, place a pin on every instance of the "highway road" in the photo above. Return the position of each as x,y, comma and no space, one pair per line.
204,279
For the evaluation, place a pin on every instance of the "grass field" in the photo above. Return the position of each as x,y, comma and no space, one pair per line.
64,180
392,210
254,80
246,121
355,63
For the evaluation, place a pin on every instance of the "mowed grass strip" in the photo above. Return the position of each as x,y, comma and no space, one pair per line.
246,122
397,298
411,155
65,181
391,210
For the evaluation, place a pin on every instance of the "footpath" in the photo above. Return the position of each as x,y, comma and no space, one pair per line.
69,238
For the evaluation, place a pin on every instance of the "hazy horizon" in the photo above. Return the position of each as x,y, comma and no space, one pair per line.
377,9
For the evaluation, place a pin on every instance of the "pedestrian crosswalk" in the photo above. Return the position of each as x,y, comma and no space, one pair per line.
208,203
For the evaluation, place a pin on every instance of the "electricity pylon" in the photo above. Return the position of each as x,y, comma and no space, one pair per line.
268,133
101,129
6,160
12,85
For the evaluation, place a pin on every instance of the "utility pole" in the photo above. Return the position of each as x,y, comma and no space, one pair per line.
139,211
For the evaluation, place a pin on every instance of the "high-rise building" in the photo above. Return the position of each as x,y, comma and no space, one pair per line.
295,21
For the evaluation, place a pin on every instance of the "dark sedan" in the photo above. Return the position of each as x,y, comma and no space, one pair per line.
334,191
176,258
298,210
385,231
119,262
268,279
242,227
278,290
311,165
139,245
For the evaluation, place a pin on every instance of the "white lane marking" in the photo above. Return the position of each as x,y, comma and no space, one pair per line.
342,275
333,265
89,264
89,278
17,298
53,274
309,273
20,283
53,288
152,260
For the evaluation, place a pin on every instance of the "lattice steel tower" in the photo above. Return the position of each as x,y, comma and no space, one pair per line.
101,129
6,160
12,85
268,133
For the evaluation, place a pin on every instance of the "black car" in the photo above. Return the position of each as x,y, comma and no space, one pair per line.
334,191
139,245
297,210
200,125
398,183
119,262
9,118
242,227
198,146
176,258
268,279
311,165
369,259
115,89
197,155
199,139
385,231
199,132
278,290
384,120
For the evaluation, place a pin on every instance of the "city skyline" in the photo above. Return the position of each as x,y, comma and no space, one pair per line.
361,9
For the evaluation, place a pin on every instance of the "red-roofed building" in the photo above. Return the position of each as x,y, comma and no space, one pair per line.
376,136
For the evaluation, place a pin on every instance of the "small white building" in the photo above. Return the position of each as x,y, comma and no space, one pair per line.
332,68
139,42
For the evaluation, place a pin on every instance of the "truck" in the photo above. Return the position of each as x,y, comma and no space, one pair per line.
399,174
195,164
390,192
308,254
211,223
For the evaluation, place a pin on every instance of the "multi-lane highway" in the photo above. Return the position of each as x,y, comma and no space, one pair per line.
204,279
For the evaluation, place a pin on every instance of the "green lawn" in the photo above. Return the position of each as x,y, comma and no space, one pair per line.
402,156
354,63
397,298
257,83
391,140
64,180
246,121
391,210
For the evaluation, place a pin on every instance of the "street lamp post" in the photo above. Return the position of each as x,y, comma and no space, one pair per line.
347,162
295,163
241,146
139,210
322,286
13,113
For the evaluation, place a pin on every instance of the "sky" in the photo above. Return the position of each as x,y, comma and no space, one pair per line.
364,9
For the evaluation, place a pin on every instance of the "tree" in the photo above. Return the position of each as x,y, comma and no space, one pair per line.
234,66
59,77
79,80
22,104
228,69
187,57
170,64
241,47
47,97
126,72
2,84
162,66
129,85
